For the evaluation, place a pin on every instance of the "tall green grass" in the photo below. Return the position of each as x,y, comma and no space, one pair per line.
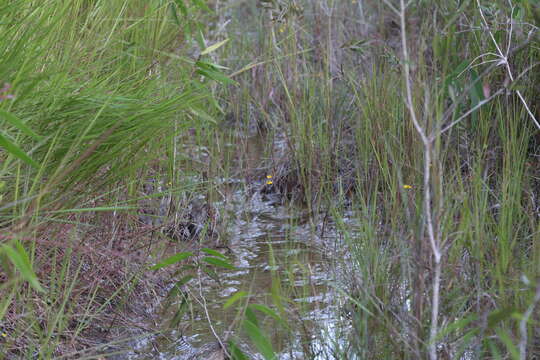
96,95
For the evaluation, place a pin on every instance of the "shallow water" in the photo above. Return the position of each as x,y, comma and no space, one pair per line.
267,241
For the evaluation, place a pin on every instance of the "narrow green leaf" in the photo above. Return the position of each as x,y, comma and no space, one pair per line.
176,289
260,341
206,65
505,338
174,14
21,261
275,292
355,45
476,92
464,343
459,324
452,77
179,314
237,296
476,95
217,76
199,36
212,274
236,353
246,68
496,354
218,262
203,115
172,260
16,151
214,47
183,281
181,6
496,316
265,310
188,31
214,253
18,123
250,316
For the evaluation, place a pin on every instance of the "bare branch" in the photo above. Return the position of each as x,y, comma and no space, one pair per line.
473,109
448,113
428,152
504,60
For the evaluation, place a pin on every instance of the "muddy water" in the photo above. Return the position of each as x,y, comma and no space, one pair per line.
267,241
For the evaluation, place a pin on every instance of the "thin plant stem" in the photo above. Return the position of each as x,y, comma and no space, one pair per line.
428,152
504,61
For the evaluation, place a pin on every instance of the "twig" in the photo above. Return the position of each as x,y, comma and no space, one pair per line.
504,59
428,150
207,314
473,109
448,113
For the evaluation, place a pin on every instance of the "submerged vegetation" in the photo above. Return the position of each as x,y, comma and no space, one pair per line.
403,136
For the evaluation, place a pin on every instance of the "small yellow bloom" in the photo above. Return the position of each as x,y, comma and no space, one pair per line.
4,335
269,182
268,176
407,187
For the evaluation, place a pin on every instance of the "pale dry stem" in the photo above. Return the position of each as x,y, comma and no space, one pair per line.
427,142
504,58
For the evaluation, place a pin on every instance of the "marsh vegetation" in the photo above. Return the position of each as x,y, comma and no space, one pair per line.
270,179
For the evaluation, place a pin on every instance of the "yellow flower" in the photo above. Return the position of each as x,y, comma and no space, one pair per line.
407,187
268,176
4,335
269,182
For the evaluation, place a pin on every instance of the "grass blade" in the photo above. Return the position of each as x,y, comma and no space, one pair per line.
16,151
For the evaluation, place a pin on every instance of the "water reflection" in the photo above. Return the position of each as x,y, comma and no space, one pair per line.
267,241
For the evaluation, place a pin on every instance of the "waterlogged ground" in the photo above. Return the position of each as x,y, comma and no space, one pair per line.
270,244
